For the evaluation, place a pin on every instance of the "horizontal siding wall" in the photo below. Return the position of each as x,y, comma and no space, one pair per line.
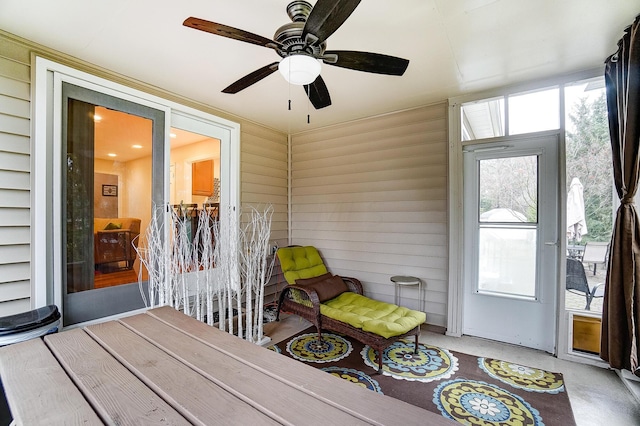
263,177
15,249
371,196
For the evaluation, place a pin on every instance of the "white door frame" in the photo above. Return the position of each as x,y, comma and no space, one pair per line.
47,81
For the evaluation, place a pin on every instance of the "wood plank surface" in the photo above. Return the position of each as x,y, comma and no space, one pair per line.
38,390
200,400
117,395
165,368
359,402
278,399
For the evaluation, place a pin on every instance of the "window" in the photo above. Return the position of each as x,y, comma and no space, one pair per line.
483,119
526,112
534,111
591,202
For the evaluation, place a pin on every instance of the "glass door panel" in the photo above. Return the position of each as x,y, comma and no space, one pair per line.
194,187
113,174
507,222
507,261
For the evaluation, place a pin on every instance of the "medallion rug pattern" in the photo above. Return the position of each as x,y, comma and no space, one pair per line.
470,390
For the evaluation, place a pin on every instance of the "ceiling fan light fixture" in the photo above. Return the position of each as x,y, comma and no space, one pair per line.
299,69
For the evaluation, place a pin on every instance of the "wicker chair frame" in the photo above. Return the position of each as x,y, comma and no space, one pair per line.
322,322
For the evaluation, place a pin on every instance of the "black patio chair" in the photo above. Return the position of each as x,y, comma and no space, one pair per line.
577,281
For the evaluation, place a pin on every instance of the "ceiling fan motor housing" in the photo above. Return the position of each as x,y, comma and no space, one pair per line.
299,10
290,35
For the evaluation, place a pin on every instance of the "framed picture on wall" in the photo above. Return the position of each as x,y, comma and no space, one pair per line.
109,190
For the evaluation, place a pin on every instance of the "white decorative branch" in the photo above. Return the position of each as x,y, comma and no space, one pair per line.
254,252
217,263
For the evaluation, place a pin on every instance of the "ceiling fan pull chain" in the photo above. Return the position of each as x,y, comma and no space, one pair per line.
308,119
289,104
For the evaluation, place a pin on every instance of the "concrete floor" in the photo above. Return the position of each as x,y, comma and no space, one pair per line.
598,396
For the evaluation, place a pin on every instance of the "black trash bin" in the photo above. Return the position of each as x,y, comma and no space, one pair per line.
28,325
20,327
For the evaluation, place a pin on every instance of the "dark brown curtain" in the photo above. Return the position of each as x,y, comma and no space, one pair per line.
621,312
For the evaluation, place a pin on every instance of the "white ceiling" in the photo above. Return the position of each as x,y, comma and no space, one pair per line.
454,47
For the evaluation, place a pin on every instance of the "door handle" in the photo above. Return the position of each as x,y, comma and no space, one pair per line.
551,243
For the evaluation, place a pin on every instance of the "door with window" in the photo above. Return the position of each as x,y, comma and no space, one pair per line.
111,174
511,241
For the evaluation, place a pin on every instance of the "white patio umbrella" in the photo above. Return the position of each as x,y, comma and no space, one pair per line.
576,223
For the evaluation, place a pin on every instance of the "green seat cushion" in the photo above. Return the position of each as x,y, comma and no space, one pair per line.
300,262
381,318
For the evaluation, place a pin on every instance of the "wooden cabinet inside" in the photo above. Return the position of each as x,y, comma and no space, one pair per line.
202,178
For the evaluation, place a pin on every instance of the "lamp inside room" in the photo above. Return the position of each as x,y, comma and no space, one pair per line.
299,69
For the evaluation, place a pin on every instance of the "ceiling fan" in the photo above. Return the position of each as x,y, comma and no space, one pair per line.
302,45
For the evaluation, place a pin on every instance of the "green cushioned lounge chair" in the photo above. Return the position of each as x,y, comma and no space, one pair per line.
337,303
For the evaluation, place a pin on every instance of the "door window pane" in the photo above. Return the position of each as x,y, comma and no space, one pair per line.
509,189
507,261
194,168
112,173
508,215
108,179
194,189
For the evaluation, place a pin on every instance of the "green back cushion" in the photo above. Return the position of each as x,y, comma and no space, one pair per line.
300,262
111,226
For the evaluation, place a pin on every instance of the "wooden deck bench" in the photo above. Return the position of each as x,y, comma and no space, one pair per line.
335,303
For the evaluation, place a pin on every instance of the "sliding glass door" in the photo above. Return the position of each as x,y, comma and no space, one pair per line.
112,174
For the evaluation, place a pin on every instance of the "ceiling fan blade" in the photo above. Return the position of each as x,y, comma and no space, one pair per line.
325,18
318,93
229,32
366,61
251,78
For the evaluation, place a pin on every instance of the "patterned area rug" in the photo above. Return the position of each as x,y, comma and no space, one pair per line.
461,387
